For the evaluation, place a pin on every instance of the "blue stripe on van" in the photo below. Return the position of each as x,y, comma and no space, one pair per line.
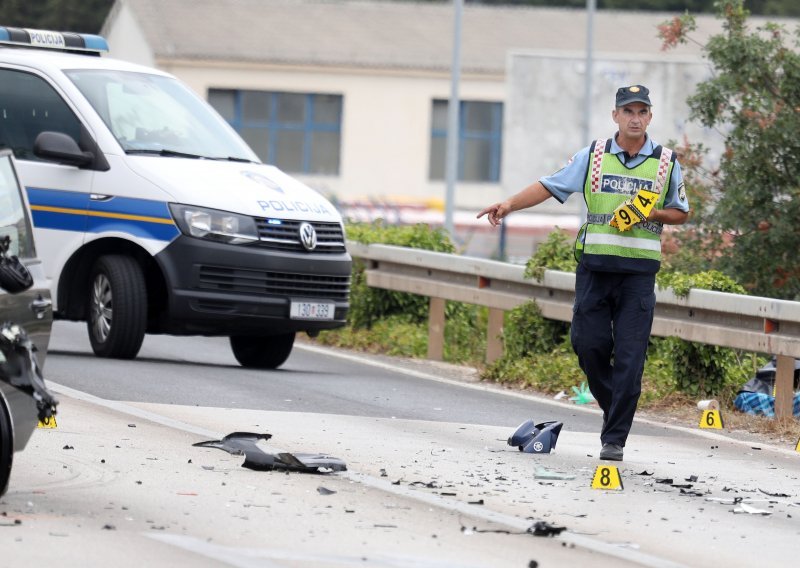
74,211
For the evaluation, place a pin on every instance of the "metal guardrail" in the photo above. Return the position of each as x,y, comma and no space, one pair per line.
757,324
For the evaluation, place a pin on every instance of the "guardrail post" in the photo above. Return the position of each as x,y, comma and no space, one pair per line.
784,387
436,329
494,335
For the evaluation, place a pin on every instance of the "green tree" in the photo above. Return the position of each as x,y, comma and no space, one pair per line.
82,16
753,97
784,8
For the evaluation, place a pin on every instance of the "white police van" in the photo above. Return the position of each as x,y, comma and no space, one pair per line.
153,216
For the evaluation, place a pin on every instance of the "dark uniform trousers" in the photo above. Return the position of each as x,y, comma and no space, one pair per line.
611,323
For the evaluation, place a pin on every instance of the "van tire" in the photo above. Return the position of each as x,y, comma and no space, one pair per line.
117,317
6,447
262,351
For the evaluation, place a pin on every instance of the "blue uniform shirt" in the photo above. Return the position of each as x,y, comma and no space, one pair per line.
572,177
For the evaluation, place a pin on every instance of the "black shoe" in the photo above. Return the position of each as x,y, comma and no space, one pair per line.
611,452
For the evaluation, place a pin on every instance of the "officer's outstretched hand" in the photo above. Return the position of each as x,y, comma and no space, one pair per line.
495,213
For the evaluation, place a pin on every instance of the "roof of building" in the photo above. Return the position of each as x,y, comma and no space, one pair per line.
386,34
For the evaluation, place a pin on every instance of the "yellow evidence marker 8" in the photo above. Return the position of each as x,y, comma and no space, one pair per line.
49,422
607,477
711,419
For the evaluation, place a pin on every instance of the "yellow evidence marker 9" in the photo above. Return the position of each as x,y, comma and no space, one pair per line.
711,419
607,477
49,422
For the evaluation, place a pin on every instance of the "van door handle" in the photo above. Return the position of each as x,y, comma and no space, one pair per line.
40,305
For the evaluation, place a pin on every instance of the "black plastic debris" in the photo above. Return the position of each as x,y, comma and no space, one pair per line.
645,472
536,438
245,443
774,494
428,484
325,491
543,528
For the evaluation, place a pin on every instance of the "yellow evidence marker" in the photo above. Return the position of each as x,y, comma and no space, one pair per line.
49,422
634,210
711,419
607,477
797,446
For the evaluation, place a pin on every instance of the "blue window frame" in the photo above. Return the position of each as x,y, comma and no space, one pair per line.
480,140
298,132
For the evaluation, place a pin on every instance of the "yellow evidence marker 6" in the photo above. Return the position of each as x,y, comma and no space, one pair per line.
47,423
607,477
711,419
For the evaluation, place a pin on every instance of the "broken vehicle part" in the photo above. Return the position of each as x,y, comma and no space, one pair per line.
23,396
544,473
246,444
582,394
744,508
543,528
20,368
536,438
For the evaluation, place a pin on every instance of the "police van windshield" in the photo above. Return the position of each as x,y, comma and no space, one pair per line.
156,114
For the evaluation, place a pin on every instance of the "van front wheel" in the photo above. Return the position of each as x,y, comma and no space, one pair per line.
262,351
117,307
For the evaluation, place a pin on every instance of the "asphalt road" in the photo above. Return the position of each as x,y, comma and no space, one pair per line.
430,481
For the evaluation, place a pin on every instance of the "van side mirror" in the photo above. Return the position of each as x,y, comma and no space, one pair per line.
61,148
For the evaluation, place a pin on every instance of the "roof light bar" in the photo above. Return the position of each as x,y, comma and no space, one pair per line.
61,41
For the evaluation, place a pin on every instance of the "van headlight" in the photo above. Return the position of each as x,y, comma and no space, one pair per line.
214,225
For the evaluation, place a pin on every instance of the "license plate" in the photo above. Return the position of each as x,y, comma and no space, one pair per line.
312,310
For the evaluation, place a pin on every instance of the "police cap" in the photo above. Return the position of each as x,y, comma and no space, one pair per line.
633,94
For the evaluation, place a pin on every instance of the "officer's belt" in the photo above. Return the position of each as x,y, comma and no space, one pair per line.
605,218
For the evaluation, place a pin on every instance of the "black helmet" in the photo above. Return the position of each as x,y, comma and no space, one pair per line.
14,277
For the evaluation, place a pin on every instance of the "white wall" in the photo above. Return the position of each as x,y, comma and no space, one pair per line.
544,114
386,123
125,38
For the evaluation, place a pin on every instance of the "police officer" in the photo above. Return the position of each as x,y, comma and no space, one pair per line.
632,187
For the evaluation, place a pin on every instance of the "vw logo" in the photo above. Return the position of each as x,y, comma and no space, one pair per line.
538,446
308,236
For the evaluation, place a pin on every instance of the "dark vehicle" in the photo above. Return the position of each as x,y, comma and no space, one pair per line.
25,321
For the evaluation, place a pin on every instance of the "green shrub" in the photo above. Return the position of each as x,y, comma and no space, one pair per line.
548,372
394,335
555,253
526,331
396,323
368,305
706,370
